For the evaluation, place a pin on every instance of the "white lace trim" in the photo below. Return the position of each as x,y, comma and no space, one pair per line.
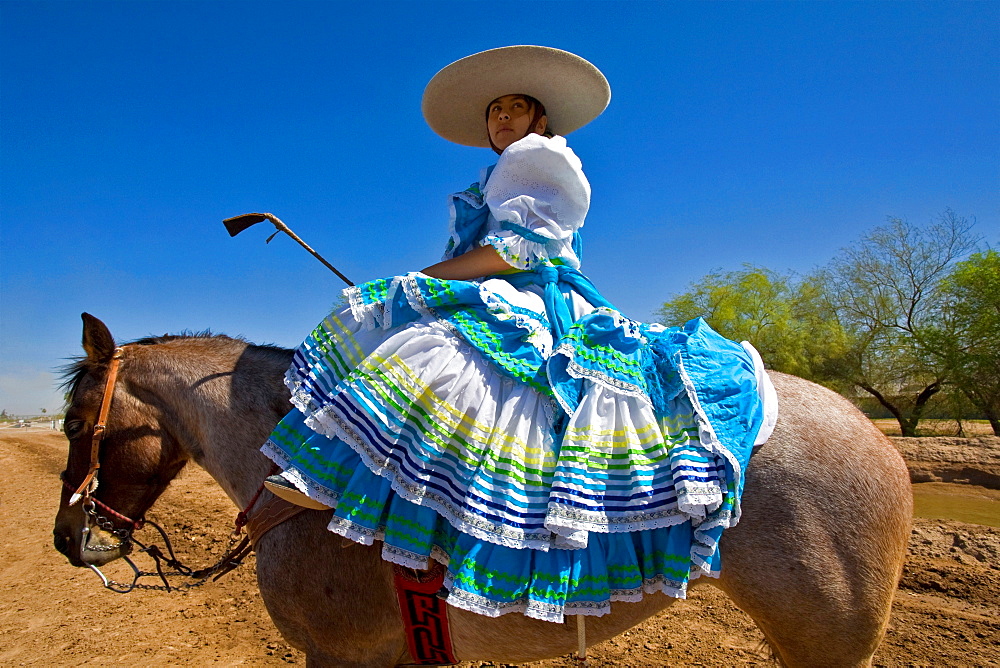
408,284
699,502
314,491
405,558
367,315
614,384
483,606
564,521
569,526
416,300
538,334
352,531
565,527
630,329
698,499
550,612
522,253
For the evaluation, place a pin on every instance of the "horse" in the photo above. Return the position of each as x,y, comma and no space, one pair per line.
814,561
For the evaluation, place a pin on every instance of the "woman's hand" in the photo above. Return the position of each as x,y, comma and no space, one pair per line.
478,262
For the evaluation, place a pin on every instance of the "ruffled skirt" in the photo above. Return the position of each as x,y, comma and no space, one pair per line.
552,477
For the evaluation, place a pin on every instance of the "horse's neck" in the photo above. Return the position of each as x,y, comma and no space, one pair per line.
226,410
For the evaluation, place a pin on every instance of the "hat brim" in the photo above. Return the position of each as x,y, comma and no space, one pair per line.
573,91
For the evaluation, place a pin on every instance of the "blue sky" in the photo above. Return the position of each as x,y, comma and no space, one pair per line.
768,133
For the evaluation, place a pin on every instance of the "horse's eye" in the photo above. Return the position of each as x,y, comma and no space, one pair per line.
73,428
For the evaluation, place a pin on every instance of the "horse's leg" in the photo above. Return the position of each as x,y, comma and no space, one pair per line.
817,555
335,603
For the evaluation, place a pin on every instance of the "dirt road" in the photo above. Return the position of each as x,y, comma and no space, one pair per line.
947,611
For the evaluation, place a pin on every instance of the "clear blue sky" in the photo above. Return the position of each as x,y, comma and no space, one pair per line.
767,133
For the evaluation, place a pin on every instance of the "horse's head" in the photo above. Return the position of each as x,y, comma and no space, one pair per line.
137,458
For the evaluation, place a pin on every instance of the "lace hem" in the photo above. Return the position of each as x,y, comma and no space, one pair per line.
567,528
352,531
698,499
466,600
562,520
549,612
405,558
316,492
478,604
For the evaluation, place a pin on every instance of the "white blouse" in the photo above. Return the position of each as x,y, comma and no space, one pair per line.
538,197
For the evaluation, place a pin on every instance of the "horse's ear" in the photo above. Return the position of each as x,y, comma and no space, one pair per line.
97,340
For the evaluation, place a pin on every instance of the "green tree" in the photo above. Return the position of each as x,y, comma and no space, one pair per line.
785,319
885,293
966,335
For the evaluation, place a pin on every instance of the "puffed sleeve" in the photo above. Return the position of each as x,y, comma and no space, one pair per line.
539,196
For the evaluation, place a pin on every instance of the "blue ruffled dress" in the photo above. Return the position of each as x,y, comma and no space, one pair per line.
554,454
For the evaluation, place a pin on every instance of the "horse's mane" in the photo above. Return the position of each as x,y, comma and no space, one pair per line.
72,373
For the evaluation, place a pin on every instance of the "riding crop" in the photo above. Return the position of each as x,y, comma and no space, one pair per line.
237,224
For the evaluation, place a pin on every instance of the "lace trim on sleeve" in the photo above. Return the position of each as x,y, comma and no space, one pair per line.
517,251
523,249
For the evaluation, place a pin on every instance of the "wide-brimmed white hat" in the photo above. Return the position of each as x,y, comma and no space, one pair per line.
573,91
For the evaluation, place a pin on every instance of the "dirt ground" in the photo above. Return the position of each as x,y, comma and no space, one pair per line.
947,609
967,429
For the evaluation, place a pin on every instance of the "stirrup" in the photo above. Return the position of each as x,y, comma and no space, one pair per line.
283,489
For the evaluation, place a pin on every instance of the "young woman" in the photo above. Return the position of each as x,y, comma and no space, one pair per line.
494,412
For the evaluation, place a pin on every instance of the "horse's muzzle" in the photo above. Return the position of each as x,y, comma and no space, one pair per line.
85,544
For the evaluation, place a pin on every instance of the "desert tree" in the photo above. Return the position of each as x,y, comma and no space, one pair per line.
965,336
885,292
783,317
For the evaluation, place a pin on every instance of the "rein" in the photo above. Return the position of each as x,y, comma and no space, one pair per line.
270,514
238,549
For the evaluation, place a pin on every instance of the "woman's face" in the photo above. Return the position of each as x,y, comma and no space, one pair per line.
508,119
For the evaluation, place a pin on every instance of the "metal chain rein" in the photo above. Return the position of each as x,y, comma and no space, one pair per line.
237,550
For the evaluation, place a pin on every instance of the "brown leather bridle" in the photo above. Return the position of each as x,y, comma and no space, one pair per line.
89,484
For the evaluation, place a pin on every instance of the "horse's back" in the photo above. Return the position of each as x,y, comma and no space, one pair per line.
826,518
